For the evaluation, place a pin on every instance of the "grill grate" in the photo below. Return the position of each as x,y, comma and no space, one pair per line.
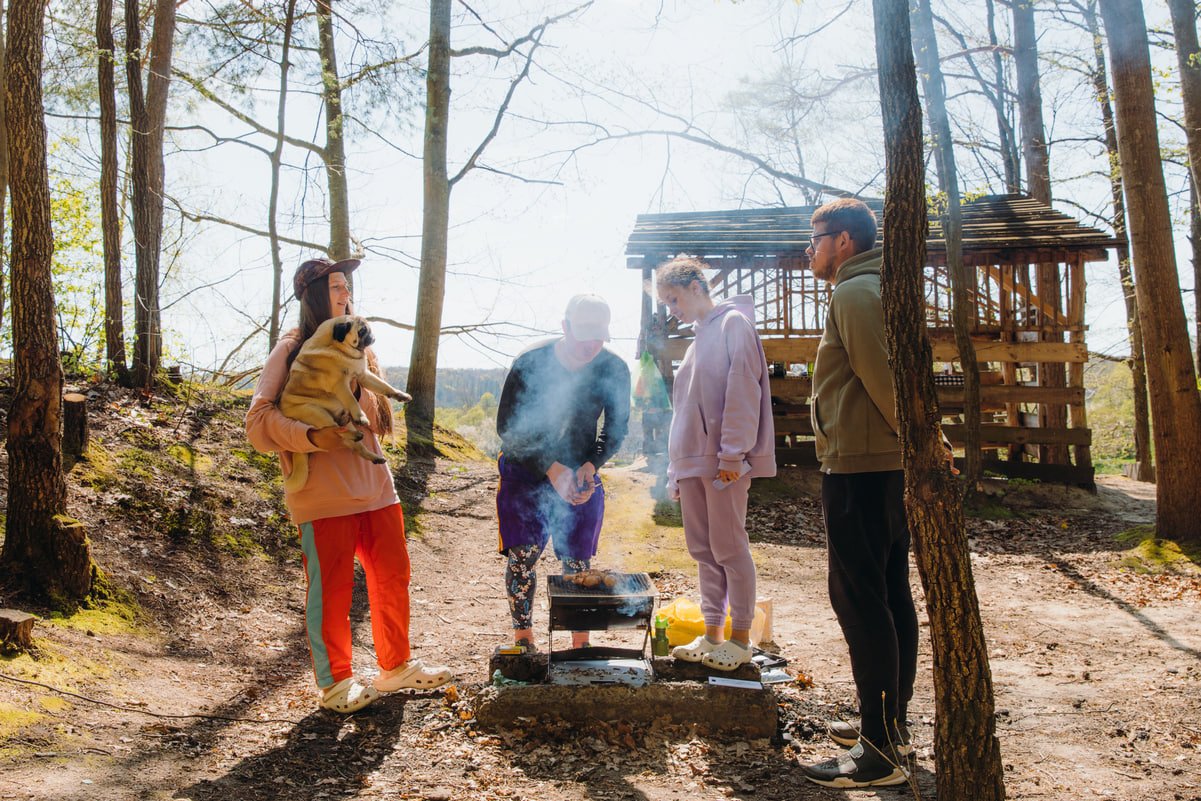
628,586
629,603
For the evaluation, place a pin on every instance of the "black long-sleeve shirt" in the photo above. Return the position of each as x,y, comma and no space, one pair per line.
550,414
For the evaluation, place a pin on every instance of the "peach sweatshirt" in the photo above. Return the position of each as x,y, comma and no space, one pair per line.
340,482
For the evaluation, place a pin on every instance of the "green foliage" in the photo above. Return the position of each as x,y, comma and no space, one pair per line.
1110,405
77,275
476,423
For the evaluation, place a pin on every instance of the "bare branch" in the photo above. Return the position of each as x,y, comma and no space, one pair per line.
238,114
198,217
529,37
500,113
514,176
371,69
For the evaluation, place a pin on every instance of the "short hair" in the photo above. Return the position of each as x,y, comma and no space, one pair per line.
682,271
851,215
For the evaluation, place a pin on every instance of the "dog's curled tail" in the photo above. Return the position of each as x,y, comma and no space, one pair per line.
299,476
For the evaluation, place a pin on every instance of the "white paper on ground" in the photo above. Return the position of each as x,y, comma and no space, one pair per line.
774,676
721,681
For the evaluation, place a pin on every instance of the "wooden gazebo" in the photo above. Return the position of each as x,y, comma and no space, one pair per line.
1027,320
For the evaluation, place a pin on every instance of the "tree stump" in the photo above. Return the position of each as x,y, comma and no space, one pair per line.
175,374
16,629
75,424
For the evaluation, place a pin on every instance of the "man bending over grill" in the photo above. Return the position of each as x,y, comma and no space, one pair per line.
564,411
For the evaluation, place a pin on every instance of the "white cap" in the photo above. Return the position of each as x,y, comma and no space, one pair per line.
588,316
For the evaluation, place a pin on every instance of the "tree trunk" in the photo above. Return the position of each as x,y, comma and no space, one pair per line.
1007,141
1184,29
1030,102
1195,229
75,424
965,743
1038,182
335,146
46,555
277,263
148,113
1188,56
110,218
1175,401
1144,470
16,630
431,287
926,52
3,157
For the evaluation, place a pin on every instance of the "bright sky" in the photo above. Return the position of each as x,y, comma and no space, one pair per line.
519,250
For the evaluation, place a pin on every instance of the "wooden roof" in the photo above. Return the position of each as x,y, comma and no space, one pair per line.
990,223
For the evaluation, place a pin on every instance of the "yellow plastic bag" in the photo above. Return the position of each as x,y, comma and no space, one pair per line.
685,623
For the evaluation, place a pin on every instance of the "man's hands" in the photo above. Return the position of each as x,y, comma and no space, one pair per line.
585,481
950,452
576,486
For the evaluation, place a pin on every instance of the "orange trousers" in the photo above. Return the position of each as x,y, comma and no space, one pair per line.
330,546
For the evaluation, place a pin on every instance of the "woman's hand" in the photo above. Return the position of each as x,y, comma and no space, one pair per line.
728,476
329,437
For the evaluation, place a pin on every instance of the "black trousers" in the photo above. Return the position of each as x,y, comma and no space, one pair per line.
868,545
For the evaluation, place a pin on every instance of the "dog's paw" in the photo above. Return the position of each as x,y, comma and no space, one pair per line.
403,397
379,460
362,420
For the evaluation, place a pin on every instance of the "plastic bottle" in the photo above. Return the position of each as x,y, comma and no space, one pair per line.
660,646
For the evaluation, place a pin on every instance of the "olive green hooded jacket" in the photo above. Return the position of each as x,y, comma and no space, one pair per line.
854,405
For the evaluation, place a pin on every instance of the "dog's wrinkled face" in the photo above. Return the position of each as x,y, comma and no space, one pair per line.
353,332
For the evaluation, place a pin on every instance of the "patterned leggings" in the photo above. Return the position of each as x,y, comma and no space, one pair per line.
521,581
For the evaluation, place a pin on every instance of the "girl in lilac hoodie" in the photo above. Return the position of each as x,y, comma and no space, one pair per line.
721,437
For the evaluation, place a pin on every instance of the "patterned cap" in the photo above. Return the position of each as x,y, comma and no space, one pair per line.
313,269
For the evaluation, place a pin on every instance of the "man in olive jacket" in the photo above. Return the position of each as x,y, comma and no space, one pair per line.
855,424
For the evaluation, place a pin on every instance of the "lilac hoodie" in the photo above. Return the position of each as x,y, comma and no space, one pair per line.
722,399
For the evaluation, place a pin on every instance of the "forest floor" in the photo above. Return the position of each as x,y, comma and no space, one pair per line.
195,683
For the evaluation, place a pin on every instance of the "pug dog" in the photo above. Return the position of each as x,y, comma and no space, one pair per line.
318,390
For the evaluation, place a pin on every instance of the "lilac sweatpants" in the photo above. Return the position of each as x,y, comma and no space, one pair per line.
715,530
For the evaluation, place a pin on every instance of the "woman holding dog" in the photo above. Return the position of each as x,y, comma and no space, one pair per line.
347,508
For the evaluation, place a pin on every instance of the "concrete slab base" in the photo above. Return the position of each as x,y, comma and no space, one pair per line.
520,667
716,711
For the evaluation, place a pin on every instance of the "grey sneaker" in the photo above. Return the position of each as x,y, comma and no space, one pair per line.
846,733
862,766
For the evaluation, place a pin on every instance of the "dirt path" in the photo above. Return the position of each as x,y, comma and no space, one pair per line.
1096,671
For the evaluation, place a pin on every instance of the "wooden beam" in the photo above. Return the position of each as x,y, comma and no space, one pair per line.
1078,476
1008,393
796,350
792,389
991,433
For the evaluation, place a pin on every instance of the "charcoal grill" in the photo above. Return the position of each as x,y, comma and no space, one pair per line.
628,604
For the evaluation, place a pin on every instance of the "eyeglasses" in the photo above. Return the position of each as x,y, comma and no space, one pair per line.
813,239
